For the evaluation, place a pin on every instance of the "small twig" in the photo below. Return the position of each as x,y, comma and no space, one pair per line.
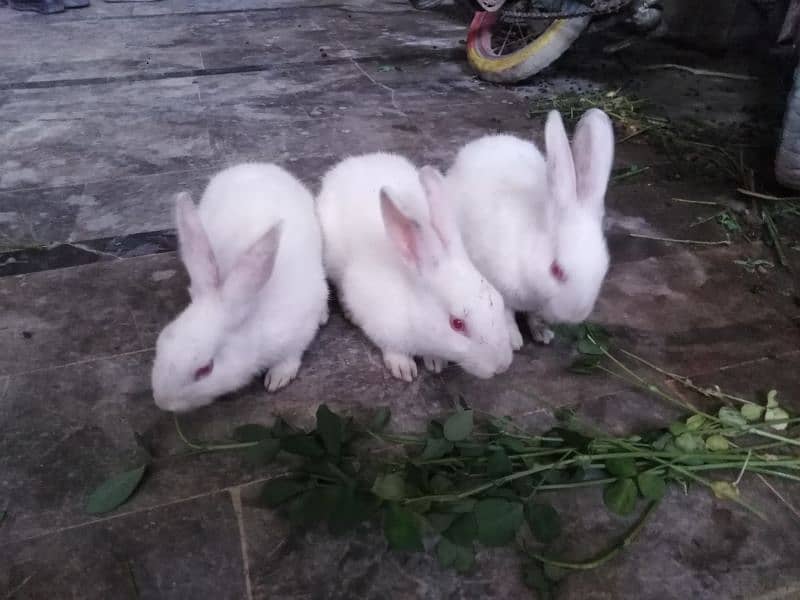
744,468
775,236
630,173
778,495
761,196
674,241
700,72
606,555
634,134
703,202
25,581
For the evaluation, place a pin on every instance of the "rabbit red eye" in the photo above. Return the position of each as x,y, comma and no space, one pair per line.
203,371
458,324
557,272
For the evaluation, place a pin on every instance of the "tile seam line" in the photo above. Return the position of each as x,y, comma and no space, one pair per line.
296,11
77,362
220,491
215,72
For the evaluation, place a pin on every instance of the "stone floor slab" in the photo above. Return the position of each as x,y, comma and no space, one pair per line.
186,550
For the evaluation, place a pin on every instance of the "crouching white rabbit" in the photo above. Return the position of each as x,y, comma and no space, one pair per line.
393,250
534,225
253,252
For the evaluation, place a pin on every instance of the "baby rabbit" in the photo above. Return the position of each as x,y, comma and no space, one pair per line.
393,250
253,252
534,226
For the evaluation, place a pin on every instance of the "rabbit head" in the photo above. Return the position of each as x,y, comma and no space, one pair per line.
462,314
577,179
194,362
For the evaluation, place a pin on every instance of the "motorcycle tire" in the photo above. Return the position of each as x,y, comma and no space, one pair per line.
515,64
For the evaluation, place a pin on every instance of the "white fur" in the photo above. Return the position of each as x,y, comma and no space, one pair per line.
520,212
393,249
254,255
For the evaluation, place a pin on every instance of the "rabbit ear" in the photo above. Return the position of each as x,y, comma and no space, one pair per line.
404,232
251,271
442,219
419,245
560,168
195,249
593,151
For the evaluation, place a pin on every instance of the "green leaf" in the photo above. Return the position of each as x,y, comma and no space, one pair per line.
717,443
498,521
381,419
568,332
303,445
599,333
585,365
350,508
401,528
464,506
621,467
689,442
776,414
535,579
436,448
331,429
724,490
651,486
113,492
498,464
439,484
264,452
513,444
313,506
620,496
252,432
440,521
752,412
730,417
543,520
282,429
458,426
695,422
460,558
389,486
590,348
278,491
678,428
471,450
463,530
661,442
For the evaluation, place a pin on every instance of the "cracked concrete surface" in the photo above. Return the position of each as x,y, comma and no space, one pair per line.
106,112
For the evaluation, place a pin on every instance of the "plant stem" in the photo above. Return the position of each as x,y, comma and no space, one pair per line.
210,447
606,555
494,483
676,241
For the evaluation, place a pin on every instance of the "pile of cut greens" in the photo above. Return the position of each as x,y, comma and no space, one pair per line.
474,479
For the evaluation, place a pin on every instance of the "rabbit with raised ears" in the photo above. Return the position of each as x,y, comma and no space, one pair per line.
533,225
393,249
253,252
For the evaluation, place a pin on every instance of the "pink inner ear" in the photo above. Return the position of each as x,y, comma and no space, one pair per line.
404,232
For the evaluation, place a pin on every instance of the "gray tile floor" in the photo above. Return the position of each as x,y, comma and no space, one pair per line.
108,111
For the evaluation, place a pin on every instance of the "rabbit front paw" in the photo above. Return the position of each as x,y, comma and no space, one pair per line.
402,366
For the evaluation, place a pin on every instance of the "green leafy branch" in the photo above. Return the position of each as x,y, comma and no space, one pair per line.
475,479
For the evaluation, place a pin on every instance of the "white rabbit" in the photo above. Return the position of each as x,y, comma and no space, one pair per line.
534,226
253,252
393,250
